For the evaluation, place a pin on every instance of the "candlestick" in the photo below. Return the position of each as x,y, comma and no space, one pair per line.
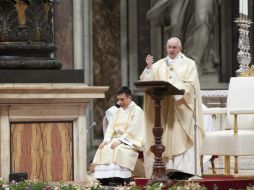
243,7
243,56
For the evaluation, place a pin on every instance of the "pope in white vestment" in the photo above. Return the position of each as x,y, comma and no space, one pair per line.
177,112
118,153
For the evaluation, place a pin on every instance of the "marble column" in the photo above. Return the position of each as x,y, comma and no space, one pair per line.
106,54
78,34
64,33
144,35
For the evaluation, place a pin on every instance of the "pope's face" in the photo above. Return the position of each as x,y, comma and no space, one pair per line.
173,48
123,100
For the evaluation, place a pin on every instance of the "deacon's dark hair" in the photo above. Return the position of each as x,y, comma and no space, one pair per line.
124,90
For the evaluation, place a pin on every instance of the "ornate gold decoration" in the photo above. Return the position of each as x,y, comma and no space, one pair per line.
248,73
227,165
47,8
235,124
21,8
26,32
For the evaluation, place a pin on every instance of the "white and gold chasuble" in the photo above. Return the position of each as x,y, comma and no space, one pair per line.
177,112
127,126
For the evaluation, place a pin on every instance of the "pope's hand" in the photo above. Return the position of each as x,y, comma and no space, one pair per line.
115,144
103,144
149,61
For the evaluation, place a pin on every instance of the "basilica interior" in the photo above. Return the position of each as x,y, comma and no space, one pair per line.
62,60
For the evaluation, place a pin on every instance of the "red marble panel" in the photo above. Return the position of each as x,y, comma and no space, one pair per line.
43,150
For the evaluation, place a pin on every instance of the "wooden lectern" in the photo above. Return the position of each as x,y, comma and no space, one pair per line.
158,89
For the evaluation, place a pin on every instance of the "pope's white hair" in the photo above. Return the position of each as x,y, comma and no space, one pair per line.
179,43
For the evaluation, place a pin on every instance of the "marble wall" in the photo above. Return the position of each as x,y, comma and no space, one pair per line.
144,34
106,54
64,33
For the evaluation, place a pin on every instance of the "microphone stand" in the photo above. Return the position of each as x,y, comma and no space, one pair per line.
195,126
92,126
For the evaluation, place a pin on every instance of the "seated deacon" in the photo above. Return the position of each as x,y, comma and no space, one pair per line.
179,113
117,155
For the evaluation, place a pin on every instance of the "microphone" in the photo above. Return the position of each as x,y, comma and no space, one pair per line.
92,126
192,85
117,105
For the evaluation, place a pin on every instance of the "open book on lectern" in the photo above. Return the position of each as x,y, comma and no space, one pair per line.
153,86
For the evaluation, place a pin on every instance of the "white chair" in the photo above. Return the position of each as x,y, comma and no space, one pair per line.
238,138
212,122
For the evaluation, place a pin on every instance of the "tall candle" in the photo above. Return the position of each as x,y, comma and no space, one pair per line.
243,7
